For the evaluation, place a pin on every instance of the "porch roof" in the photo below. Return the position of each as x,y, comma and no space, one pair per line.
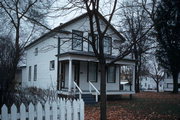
86,56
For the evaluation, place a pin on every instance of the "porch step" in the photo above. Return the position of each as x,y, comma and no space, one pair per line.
88,98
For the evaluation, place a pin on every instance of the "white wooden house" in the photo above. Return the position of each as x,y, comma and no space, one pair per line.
168,82
63,60
148,84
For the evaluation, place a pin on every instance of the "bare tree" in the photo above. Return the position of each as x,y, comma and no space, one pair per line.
136,26
156,73
162,13
19,21
7,54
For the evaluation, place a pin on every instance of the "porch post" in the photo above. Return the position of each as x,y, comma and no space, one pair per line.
70,76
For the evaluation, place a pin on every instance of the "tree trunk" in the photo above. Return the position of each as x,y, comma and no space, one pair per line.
136,78
157,85
175,82
103,91
136,69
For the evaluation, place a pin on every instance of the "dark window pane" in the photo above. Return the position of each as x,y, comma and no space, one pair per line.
96,43
35,72
52,65
29,73
111,74
36,51
77,40
107,45
92,72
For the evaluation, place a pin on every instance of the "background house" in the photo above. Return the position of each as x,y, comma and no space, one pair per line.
148,84
168,82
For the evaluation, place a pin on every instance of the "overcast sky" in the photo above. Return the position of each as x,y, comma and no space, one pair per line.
55,18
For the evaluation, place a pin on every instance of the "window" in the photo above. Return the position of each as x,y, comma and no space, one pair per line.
170,85
111,74
52,65
96,42
36,51
92,71
126,73
35,72
29,76
116,44
77,40
107,45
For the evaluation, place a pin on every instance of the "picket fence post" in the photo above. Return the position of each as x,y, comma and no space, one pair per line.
22,112
47,111
31,111
4,112
75,110
54,110
69,110
39,111
62,109
13,112
81,104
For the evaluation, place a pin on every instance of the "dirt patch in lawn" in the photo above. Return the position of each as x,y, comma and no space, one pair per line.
143,106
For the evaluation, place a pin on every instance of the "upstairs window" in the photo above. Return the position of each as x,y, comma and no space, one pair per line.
77,40
90,49
107,45
52,65
35,72
36,51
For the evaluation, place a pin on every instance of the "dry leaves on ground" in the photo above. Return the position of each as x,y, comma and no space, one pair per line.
143,106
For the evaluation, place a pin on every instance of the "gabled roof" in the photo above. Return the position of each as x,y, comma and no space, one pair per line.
59,29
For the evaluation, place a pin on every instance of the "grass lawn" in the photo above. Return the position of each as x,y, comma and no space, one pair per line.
143,106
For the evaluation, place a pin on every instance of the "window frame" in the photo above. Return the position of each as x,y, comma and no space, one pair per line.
35,72
36,51
30,73
96,42
50,65
88,71
114,74
73,39
110,45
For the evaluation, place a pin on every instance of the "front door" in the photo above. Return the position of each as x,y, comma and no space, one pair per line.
76,71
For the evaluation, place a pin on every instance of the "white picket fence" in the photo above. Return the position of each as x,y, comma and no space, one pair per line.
61,109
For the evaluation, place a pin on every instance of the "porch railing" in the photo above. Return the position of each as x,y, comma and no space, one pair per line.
90,90
79,89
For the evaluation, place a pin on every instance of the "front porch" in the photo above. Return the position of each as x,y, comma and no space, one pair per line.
80,74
